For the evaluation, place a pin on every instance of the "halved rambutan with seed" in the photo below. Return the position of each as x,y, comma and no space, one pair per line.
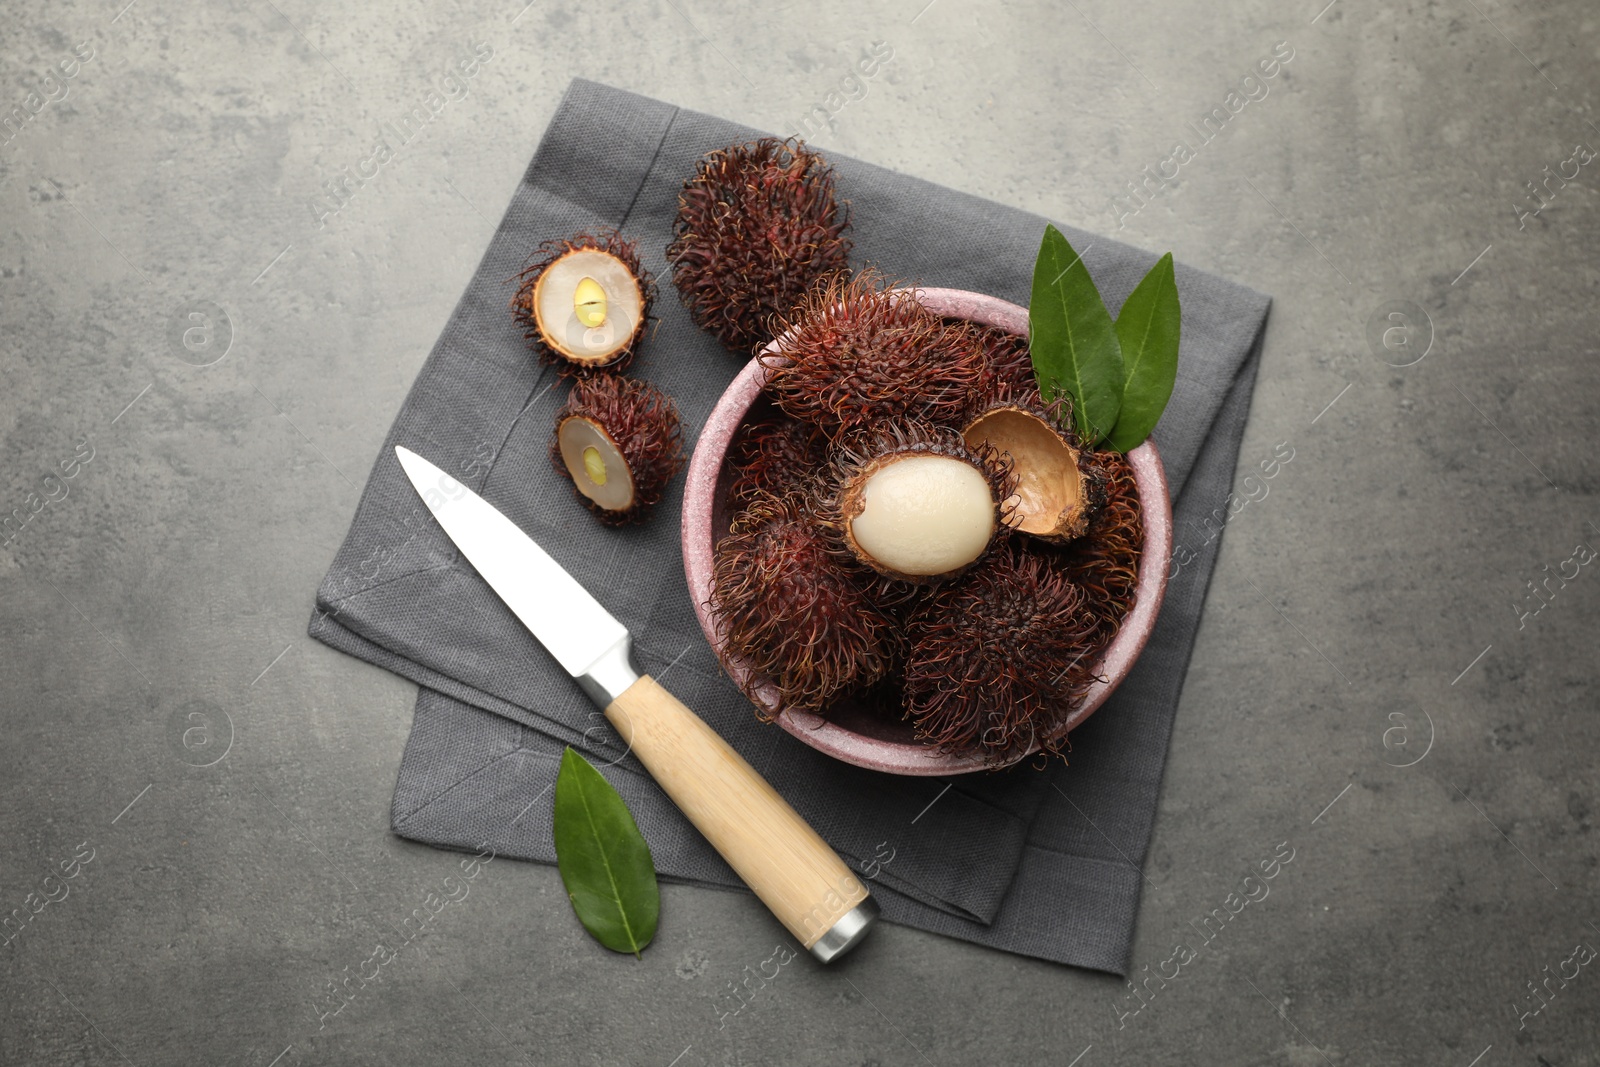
585,301
618,440
793,611
758,225
912,501
1058,491
856,353
990,658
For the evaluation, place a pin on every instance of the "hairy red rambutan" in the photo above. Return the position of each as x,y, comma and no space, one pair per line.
618,440
773,453
585,300
856,353
758,224
1105,562
1008,359
990,657
914,502
796,614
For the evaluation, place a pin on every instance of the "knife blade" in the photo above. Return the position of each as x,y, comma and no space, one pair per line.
795,873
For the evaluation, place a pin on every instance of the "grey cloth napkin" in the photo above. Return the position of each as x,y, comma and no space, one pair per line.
1044,863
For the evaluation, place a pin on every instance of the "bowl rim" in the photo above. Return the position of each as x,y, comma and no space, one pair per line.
893,757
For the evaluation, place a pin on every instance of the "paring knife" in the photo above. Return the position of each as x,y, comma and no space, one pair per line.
794,872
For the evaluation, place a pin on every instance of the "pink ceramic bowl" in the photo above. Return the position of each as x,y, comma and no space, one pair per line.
852,733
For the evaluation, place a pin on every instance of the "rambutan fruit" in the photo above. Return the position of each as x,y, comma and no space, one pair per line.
856,353
1105,562
758,224
618,440
1057,490
912,501
990,657
585,301
772,454
1008,359
787,606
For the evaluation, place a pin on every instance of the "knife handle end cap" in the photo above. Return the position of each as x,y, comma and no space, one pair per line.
845,934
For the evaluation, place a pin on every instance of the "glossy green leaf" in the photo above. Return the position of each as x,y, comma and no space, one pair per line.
604,860
1147,326
1072,340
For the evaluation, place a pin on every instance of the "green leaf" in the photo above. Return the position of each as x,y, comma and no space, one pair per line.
604,861
1147,326
1071,339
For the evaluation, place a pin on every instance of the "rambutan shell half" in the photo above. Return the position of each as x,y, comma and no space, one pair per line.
1056,494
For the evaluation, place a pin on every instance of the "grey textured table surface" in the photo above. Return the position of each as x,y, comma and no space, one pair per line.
1372,683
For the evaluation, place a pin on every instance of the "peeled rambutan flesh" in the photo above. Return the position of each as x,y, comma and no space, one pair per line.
793,612
585,301
855,353
758,224
913,502
1057,490
990,657
618,440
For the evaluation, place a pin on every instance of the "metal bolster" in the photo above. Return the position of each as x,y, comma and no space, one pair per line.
610,675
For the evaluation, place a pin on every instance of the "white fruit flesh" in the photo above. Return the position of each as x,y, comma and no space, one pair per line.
585,446
924,515
556,305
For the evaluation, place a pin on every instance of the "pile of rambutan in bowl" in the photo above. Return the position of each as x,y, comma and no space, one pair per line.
901,553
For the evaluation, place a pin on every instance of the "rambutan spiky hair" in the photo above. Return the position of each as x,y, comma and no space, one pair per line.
991,658
1008,359
772,454
1105,562
795,613
641,424
758,225
856,352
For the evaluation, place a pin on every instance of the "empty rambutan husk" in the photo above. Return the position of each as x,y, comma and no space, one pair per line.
990,658
585,301
758,224
914,502
1057,490
773,454
787,606
855,353
618,441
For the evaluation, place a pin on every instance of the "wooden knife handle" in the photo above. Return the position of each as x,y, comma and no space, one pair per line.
777,853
